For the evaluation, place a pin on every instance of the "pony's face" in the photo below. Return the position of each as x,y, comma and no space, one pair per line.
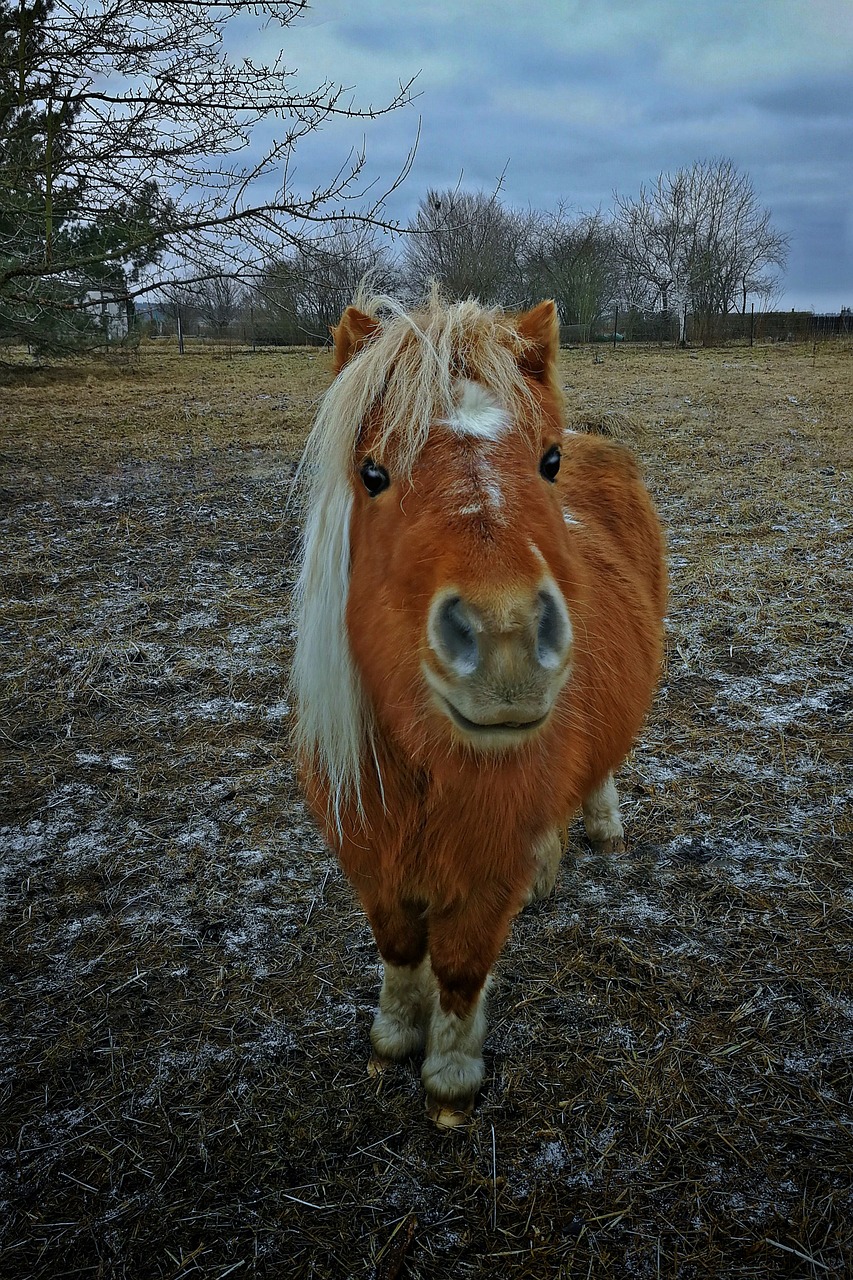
461,571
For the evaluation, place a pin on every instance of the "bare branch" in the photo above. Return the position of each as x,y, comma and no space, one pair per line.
108,107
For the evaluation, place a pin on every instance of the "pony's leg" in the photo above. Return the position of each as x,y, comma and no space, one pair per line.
464,945
453,1068
398,1029
400,931
547,854
602,819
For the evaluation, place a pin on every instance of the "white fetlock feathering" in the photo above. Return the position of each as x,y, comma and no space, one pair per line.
453,1069
601,817
399,1028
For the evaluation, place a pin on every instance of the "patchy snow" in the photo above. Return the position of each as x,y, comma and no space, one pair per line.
166,898
278,711
551,1158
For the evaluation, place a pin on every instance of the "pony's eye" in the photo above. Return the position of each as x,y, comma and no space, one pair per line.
550,464
374,478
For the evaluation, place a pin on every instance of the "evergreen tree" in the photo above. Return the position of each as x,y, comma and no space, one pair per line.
126,134
56,245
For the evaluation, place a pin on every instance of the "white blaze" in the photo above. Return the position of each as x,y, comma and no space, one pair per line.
476,413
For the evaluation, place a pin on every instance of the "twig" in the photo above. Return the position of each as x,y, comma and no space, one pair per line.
494,1182
806,1257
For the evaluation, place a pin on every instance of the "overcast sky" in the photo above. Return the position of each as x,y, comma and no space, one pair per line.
577,98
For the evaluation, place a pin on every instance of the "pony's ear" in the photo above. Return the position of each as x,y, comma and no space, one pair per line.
541,330
352,331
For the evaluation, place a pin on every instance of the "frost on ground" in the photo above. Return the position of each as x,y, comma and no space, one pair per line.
188,983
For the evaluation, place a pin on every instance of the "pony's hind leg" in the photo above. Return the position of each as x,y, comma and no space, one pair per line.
602,819
546,858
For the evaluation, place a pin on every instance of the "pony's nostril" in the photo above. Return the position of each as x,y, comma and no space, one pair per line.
457,639
554,633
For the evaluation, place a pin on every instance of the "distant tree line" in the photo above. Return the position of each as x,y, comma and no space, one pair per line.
124,175
696,243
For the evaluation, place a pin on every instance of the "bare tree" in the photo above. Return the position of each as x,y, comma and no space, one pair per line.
655,236
272,303
471,244
699,239
737,252
127,133
217,298
573,259
304,292
178,301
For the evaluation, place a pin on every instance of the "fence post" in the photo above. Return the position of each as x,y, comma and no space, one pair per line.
615,325
180,334
751,323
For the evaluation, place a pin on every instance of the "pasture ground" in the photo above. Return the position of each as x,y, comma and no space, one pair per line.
187,981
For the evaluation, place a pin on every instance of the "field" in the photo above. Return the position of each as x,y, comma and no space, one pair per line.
187,980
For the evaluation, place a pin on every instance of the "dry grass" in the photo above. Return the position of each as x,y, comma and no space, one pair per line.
187,982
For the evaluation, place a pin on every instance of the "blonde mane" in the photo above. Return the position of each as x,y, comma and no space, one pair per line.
411,362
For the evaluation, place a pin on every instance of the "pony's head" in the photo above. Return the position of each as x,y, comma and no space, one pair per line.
435,591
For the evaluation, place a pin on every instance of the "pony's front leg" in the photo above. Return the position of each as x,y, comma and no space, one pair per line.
399,1027
453,1069
401,935
464,945
602,820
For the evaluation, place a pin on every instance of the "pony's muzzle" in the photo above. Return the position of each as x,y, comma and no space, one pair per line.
500,661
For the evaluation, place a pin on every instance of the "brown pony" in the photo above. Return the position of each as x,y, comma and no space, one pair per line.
479,614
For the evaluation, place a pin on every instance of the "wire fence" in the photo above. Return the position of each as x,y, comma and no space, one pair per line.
617,326
664,328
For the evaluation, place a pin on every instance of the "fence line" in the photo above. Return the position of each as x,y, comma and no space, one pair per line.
613,327
663,327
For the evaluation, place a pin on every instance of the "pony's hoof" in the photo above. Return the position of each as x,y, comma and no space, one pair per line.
449,1115
377,1066
615,844
542,887
451,1083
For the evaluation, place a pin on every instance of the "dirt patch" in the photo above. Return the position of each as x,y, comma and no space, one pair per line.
188,982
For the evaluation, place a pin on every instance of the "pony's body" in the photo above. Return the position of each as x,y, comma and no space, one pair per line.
498,633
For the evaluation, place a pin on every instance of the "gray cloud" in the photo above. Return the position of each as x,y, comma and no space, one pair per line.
577,100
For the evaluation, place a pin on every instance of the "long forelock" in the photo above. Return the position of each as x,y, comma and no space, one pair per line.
412,364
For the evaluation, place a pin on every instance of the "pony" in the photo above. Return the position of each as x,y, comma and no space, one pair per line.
479,629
